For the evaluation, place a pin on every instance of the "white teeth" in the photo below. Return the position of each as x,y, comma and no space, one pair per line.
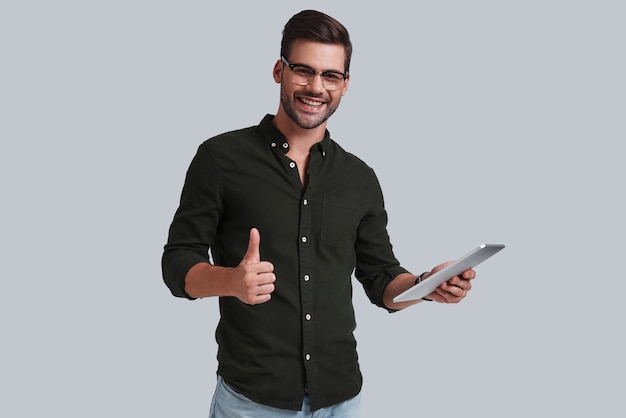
310,102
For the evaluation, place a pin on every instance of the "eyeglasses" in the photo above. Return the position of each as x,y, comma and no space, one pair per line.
303,75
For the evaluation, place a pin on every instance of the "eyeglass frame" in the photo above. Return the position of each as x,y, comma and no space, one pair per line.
345,75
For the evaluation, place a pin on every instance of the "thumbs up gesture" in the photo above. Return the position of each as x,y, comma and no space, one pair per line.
253,279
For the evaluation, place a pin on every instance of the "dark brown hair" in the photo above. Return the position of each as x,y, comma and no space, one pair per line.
318,27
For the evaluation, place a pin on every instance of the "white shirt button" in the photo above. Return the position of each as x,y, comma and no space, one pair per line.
273,144
292,164
285,145
308,317
303,239
307,277
308,357
305,202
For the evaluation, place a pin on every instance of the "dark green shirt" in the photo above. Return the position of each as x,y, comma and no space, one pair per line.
316,237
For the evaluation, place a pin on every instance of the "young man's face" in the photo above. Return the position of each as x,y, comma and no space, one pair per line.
311,105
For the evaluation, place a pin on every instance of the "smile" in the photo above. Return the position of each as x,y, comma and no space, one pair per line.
310,102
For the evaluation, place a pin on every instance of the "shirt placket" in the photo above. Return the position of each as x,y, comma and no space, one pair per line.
305,256
307,278
306,285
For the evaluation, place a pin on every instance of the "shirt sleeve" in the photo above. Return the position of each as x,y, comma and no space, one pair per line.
193,229
376,264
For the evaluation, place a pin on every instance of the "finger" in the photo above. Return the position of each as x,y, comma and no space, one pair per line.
264,267
468,274
451,293
446,296
260,294
265,289
456,286
261,299
253,253
459,281
266,277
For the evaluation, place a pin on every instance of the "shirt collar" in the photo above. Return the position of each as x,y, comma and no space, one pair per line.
276,140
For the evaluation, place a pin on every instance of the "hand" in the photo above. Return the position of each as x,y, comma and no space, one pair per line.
453,290
253,279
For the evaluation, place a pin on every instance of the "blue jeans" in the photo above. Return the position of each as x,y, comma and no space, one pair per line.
229,404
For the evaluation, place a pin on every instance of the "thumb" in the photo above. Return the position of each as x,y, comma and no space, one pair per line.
253,253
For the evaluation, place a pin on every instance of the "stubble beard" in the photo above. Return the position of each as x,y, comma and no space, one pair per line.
305,121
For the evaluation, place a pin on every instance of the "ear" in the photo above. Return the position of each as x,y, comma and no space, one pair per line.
345,87
278,71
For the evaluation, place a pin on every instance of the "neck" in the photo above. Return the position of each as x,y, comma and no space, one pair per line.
300,140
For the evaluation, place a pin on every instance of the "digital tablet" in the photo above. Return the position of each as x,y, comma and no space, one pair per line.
468,261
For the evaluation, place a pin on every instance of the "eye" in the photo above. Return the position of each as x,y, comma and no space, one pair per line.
332,76
298,69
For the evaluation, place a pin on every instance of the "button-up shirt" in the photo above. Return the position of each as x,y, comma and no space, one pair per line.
316,237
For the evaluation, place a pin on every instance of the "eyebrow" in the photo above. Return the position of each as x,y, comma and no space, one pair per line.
315,69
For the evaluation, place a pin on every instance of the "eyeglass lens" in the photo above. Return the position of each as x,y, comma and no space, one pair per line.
303,75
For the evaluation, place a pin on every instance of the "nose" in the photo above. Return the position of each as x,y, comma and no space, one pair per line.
316,84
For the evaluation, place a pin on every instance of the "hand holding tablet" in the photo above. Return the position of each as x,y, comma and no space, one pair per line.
468,261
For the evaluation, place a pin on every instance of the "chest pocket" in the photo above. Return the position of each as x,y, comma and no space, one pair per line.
340,220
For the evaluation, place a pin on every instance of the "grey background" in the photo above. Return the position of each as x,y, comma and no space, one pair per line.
486,121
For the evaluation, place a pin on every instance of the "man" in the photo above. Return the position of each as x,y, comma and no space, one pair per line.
288,215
